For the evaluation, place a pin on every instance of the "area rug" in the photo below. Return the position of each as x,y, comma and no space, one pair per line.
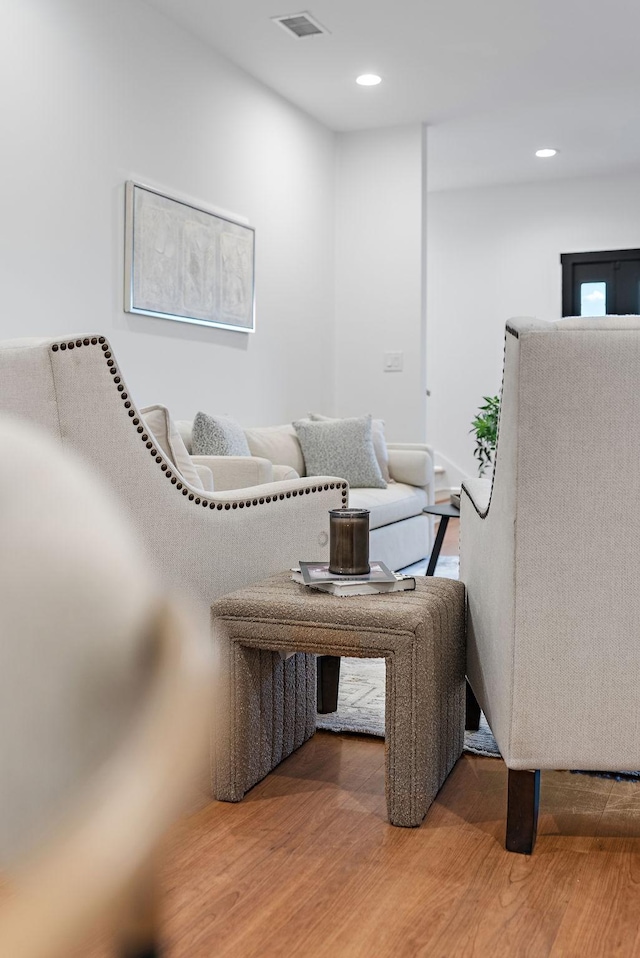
361,707
361,711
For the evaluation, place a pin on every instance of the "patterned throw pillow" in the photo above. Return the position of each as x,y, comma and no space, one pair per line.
341,447
218,436
379,442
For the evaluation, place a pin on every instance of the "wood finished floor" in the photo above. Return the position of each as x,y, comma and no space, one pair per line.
307,865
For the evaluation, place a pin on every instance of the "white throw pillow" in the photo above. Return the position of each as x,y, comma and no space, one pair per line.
379,442
158,421
217,436
341,447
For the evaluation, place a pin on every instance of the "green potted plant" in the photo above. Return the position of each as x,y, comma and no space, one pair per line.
485,427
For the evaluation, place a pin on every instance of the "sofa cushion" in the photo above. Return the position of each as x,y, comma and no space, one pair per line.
278,444
379,442
217,436
340,447
398,501
158,421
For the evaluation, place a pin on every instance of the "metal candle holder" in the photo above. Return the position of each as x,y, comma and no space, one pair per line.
349,541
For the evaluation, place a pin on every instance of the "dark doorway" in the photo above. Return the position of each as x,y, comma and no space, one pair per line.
601,283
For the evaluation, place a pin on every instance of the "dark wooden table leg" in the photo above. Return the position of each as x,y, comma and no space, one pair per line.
472,712
328,682
437,545
522,810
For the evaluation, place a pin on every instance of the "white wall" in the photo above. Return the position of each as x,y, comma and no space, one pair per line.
379,274
94,93
494,253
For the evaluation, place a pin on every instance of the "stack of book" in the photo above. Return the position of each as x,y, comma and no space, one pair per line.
316,575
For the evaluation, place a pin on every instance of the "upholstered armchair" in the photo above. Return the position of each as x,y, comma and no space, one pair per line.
201,544
549,553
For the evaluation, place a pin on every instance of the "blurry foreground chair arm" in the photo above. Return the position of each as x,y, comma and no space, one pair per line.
105,693
93,866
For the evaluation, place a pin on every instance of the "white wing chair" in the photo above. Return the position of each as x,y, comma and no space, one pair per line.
549,554
201,544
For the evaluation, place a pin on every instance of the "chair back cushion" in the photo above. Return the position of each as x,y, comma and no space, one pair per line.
279,444
158,421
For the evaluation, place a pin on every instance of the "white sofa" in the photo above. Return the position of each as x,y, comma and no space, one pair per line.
401,533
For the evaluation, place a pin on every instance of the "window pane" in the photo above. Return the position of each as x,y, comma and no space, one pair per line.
593,299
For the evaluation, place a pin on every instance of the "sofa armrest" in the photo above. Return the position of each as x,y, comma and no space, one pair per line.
422,446
236,472
412,464
206,477
280,473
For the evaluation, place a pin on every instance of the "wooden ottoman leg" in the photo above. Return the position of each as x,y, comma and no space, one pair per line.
472,715
328,683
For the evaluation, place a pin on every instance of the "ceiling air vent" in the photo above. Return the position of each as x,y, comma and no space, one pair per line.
301,25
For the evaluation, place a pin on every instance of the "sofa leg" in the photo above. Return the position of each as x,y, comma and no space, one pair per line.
472,712
328,681
522,810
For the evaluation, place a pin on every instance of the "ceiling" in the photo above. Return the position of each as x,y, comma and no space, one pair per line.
494,80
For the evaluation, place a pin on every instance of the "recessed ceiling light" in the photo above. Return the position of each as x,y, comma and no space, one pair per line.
545,153
369,79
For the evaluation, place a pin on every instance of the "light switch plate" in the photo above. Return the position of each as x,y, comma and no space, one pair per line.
393,362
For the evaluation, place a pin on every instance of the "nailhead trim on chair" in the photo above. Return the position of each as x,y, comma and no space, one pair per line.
135,421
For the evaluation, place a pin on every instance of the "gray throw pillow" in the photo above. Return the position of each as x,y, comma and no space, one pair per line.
341,447
218,436
379,443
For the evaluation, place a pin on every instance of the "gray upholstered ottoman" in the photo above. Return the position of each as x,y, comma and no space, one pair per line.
267,701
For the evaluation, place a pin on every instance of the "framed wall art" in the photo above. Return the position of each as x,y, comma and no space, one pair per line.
186,263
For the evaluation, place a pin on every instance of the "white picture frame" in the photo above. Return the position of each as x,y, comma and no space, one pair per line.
186,263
